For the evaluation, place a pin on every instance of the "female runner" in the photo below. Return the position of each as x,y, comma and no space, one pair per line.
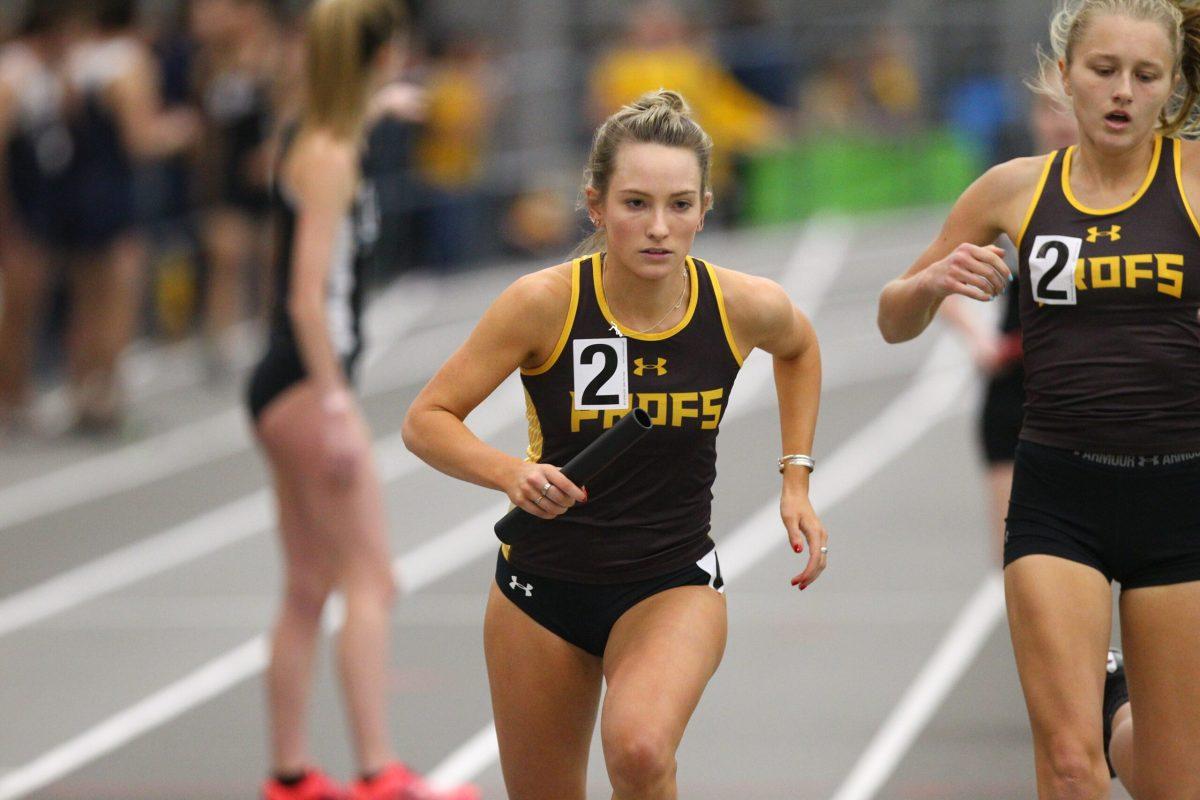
1108,467
618,581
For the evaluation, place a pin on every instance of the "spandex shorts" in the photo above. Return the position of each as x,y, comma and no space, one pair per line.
278,371
584,613
1135,519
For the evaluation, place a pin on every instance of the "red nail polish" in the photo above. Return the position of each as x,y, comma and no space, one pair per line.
585,494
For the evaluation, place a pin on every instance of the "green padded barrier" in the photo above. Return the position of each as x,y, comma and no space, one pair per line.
856,173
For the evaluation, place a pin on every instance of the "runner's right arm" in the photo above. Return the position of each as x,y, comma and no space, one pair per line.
518,330
962,259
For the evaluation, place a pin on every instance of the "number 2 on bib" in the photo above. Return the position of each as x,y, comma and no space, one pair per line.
601,374
1052,269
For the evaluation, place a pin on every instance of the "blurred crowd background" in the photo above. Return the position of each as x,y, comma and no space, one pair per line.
138,140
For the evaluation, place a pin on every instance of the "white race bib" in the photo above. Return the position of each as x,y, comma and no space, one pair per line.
601,374
1052,269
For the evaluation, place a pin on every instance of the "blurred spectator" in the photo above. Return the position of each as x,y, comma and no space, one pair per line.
389,164
395,116
117,121
981,105
865,89
981,109
461,109
37,149
165,197
539,222
1046,127
659,53
893,87
760,51
237,69
832,99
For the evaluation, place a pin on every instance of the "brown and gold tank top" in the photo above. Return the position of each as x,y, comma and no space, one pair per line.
648,512
1109,301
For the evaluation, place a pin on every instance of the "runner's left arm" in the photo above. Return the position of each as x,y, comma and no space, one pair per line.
763,316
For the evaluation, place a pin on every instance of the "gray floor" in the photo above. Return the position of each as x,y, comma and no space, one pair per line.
126,567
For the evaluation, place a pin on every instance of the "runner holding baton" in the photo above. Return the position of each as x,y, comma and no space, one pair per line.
591,460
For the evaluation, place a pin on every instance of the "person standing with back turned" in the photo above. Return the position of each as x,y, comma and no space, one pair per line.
331,517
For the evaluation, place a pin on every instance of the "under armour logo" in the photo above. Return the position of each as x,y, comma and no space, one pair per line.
1113,234
516,584
659,367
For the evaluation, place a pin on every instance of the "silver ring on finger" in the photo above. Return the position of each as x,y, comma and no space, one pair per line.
824,550
537,501
546,488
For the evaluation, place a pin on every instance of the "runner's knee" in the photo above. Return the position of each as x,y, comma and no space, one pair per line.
638,760
1077,768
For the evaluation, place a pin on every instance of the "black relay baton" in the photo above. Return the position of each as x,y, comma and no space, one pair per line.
588,463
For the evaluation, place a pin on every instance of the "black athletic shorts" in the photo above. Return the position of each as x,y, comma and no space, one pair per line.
584,613
277,371
1135,519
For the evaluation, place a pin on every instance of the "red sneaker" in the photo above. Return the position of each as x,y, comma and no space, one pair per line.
316,785
397,782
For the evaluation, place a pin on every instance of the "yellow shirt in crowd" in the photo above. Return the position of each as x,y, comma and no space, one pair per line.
737,119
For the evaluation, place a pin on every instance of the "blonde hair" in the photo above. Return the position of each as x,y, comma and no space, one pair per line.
661,117
342,38
1180,18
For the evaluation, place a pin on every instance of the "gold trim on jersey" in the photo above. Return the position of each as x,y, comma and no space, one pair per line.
646,337
1066,182
1179,183
533,453
566,330
716,284
1037,195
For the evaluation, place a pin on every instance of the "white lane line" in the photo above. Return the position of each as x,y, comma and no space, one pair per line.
209,532
391,315
193,539
133,465
472,758
815,262
922,699
934,394
416,570
183,447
